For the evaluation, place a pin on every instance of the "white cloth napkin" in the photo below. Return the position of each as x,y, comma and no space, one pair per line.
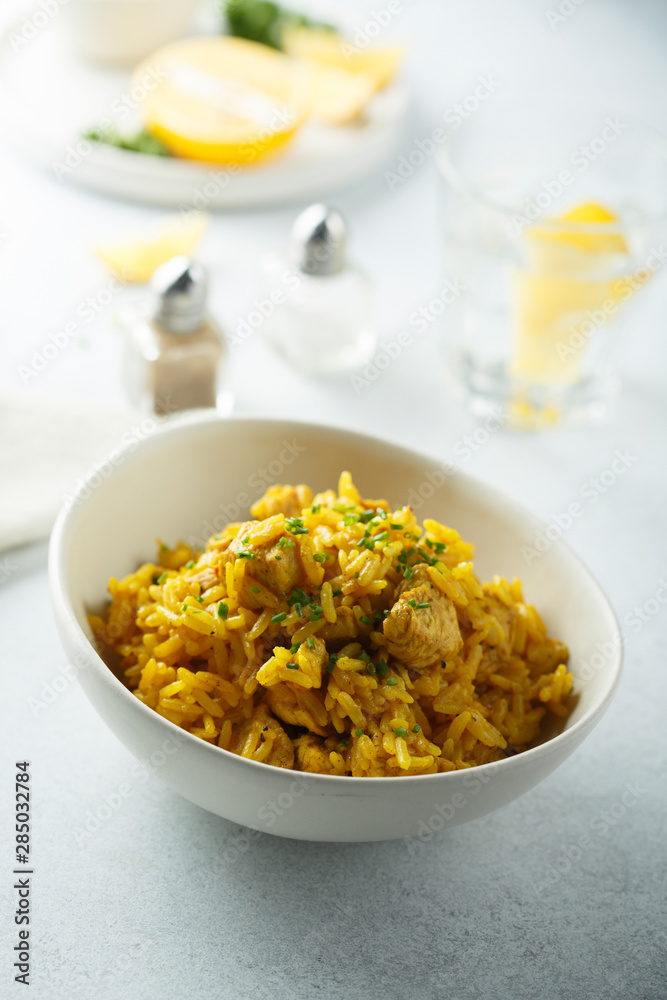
46,446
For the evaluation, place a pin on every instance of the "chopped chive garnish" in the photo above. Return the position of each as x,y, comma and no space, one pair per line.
342,745
408,572
196,611
286,543
381,537
395,526
416,729
424,604
392,681
280,617
356,576
246,539
310,642
400,731
316,508
387,611
382,667
412,603
184,608
381,513
292,665
337,592
316,613
190,564
320,557
299,596
359,732
363,655
298,608
245,554
198,598
367,516
351,519
162,577
163,547
365,619
223,609
293,648
295,526
370,669
254,589
332,662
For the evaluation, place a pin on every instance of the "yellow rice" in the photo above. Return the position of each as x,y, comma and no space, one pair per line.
304,680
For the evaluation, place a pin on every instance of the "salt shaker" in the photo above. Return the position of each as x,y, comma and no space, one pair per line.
175,352
316,307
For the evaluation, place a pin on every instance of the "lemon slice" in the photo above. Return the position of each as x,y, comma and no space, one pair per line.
327,48
137,258
222,100
339,97
565,243
566,293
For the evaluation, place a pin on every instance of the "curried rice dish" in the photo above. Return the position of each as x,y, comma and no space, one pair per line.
333,635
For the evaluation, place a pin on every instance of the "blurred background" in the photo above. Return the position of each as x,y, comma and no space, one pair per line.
489,257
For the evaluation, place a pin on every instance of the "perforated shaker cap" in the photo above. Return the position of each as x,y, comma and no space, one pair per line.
179,287
318,241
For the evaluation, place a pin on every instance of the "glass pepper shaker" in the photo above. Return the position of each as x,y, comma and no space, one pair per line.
316,306
176,355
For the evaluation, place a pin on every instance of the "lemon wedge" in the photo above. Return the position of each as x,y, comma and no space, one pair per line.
137,258
582,238
567,292
339,97
328,49
222,100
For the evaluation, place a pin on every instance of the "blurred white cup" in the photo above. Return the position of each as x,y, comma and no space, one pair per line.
122,32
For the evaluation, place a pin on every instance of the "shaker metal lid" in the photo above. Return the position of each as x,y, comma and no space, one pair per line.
318,241
179,288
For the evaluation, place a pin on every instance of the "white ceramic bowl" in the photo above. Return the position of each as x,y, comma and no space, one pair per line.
196,474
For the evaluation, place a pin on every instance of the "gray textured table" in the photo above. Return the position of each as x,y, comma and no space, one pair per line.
559,895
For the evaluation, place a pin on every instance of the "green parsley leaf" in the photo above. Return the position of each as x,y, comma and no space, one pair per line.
295,526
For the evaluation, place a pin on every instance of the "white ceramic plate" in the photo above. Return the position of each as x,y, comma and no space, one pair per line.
202,471
48,97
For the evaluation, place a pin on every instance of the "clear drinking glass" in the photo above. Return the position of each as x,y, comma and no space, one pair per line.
553,219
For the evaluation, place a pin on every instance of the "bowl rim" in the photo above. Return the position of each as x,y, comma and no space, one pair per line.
66,617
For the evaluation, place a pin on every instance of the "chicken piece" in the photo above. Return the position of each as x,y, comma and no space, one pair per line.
312,755
298,707
206,577
278,568
287,500
505,616
251,738
418,637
